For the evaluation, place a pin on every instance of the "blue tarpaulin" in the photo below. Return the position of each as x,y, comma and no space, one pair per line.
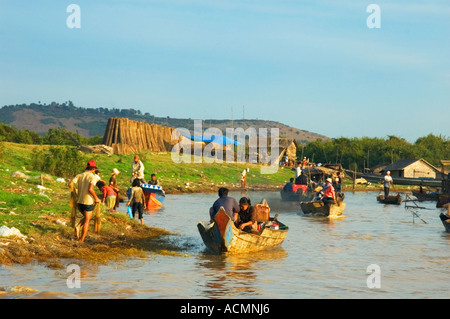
222,140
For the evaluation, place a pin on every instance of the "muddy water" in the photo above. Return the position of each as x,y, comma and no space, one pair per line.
320,258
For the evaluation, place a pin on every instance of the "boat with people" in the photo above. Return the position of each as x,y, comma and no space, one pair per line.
391,199
222,236
299,193
321,209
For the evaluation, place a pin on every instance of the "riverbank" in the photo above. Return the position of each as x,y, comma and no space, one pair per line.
37,205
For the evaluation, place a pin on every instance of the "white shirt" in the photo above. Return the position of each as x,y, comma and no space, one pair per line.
387,181
298,171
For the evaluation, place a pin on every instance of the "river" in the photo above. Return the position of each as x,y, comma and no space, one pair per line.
374,251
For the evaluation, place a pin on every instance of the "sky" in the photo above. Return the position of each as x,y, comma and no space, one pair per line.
337,68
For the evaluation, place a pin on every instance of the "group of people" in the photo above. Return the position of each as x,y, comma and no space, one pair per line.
110,191
87,197
242,213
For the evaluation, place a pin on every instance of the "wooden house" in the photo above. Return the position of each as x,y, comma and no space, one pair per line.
412,168
377,169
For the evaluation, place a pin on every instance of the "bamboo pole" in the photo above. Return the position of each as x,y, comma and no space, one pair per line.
73,205
97,218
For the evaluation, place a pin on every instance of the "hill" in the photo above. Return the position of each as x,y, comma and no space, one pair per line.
90,122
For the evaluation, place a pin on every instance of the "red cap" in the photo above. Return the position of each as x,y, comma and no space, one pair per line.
91,164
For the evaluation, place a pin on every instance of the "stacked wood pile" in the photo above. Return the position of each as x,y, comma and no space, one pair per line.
98,149
127,137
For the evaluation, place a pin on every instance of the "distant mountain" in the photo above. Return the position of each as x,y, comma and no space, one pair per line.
89,122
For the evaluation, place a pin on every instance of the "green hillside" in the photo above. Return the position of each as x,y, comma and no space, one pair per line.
90,122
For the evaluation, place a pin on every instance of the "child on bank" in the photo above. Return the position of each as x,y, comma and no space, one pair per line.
137,200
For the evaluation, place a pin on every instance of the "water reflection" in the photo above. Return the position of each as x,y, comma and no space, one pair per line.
229,276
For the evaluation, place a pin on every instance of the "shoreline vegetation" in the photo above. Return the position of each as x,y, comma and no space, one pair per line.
38,205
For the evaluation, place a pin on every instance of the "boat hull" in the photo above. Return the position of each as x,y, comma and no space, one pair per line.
319,208
421,197
222,236
444,218
392,199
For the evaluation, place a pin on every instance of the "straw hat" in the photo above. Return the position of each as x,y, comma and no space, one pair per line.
116,171
329,180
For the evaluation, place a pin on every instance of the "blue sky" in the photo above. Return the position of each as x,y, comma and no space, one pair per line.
314,65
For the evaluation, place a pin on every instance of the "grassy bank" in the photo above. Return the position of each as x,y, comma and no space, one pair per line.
43,214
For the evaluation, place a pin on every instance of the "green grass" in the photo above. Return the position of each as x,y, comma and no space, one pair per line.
22,205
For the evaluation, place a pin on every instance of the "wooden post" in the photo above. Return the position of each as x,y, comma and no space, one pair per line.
97,218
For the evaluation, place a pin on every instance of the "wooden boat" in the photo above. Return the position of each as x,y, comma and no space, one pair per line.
299,193
445,221
222,236
392,199
425,196
319,208
154,196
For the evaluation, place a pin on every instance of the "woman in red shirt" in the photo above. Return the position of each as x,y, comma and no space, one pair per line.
109,195
329,195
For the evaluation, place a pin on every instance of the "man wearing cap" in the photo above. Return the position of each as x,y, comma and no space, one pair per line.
329,195
86,197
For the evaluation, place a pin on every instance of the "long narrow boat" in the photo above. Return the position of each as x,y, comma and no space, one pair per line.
425,196
319,208
392,199
377,178
222,236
